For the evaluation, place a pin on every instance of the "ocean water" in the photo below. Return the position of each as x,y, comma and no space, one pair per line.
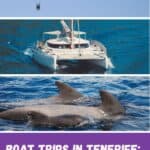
126,42
132,92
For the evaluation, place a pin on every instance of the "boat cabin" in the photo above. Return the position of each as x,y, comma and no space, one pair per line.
65,42
67,46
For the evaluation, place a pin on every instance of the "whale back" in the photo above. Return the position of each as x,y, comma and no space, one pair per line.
66,92
110,104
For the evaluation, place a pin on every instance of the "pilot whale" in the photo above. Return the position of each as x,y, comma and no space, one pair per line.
63,114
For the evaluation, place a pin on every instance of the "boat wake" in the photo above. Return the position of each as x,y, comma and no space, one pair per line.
28,52
62,67
109,63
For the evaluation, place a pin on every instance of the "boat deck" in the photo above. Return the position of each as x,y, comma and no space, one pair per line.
79,57
82,54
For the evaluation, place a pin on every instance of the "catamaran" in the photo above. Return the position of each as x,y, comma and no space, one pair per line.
67,45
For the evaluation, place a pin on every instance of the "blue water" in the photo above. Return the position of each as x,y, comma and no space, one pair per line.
125,40
132,92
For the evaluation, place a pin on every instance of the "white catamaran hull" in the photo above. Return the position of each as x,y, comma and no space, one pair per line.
45,60
101,63
104,63
50,61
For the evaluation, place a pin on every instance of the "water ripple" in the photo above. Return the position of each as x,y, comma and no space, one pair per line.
133,93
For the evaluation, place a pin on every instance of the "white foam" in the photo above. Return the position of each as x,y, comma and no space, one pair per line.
28,52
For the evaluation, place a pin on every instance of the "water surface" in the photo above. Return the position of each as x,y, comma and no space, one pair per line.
132,92
126,42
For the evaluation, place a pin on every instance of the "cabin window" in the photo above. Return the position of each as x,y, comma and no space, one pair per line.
81,45
54,45
67,46
58,46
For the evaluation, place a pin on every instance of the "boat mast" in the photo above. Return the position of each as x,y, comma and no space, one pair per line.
72,46
69,32
79,32
79,37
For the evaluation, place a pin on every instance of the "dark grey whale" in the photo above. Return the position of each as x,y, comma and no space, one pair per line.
63,113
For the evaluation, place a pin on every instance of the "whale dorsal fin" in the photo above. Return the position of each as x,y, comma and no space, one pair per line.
110,104
67,92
